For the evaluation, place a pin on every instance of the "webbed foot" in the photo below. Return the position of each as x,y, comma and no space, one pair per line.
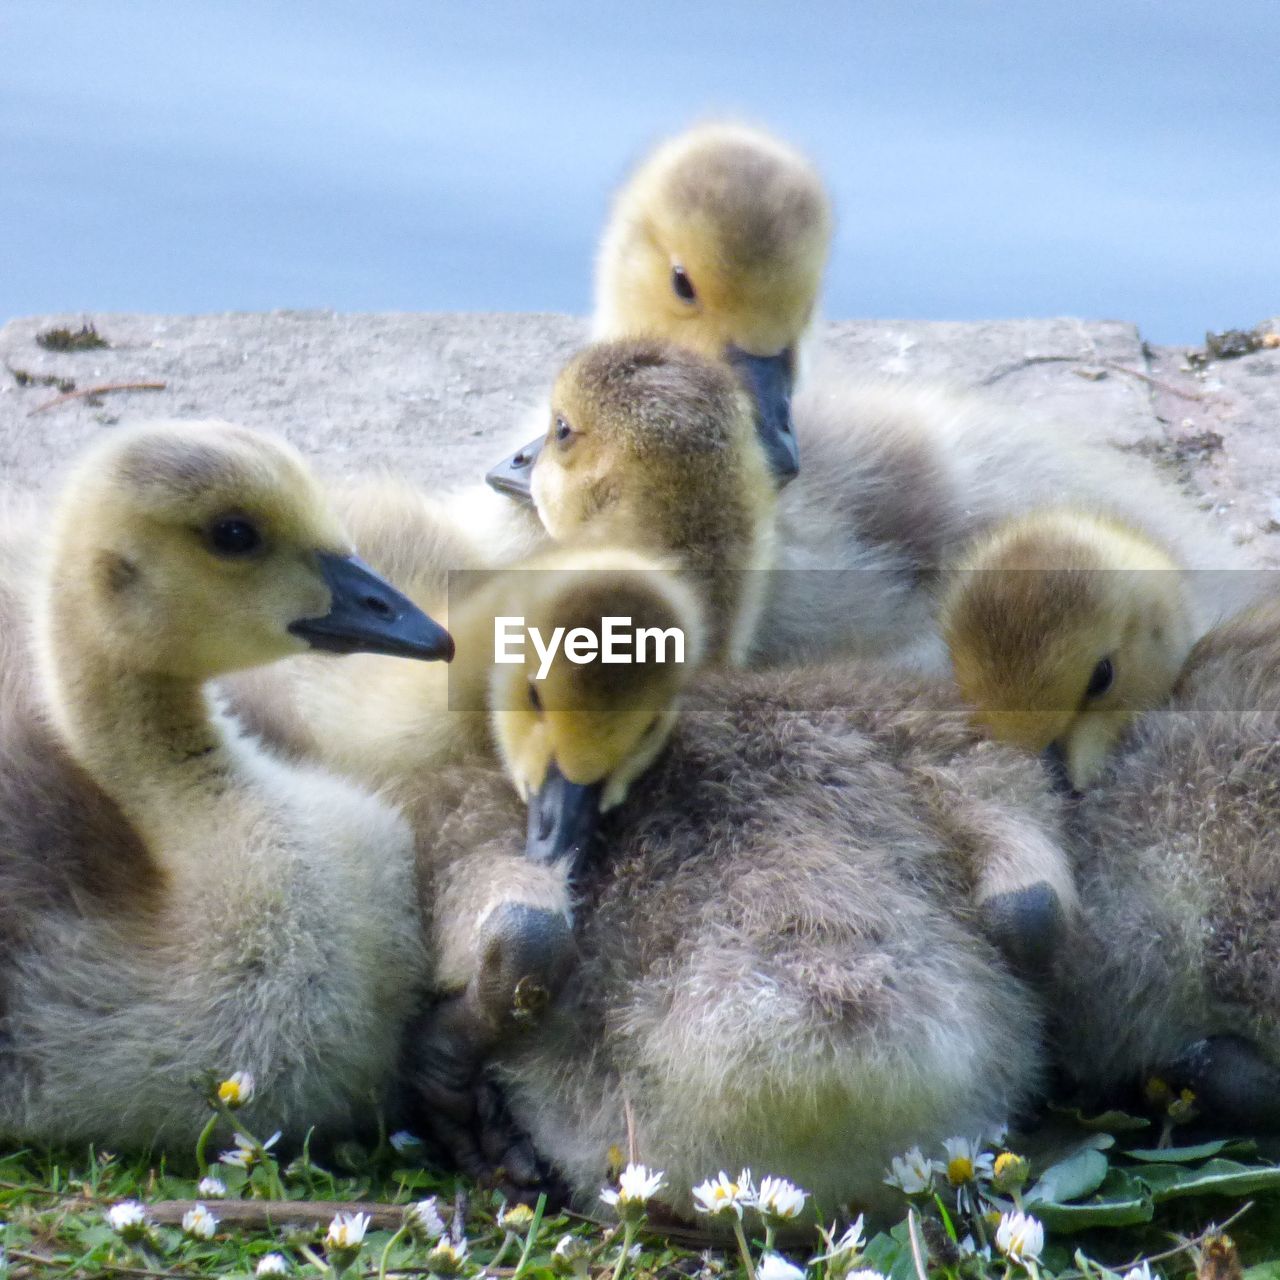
1232,1080
525,955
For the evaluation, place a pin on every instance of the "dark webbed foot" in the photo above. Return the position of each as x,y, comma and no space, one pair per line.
464,1117
1233,1082
515,1168
1027,925
525,955
443,1062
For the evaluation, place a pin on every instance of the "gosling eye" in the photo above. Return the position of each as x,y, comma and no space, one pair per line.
562,431
682,285
233,536
1101,680
535,698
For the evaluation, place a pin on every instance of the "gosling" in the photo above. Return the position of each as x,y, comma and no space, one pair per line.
781,964
1063,625
175,901
718,243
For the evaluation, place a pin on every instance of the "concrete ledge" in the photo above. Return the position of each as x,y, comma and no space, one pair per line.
438,397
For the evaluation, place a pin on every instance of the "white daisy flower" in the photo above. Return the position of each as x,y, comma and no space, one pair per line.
1139,1273
1020,1237
424,1220
965,1168
719,1195
780,1199
515,1218
1010,1172
199,1223
245,1155
570,1256
447,1258
272,1264
128,1220
346,1231
773,1266
847,1247
911,1173
571,1247
636,1187
212,1188
966,1162
237,1090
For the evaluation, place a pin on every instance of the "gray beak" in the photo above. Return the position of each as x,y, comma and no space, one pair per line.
770,379
514,475
562,819
1054,759
368,615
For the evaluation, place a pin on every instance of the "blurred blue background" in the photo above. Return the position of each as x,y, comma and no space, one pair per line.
1103,158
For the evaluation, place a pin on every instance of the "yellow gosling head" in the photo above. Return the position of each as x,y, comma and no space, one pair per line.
573,729
651,445
194,549
719,239
1062,626
718,242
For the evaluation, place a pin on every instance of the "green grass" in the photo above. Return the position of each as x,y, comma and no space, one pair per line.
54,1207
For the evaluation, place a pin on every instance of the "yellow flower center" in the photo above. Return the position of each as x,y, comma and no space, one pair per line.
229,1092
959,1170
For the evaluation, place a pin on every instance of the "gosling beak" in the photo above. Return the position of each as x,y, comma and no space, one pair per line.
1054,759
368,615
562,819
514,475
769,379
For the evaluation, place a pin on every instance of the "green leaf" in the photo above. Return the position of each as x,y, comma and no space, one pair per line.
1108,1121
1070,1179
1121,1201
890,1254
1263,1271
1214,1178
1189,1155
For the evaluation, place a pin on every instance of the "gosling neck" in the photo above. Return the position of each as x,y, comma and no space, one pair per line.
148,740
724,548
471,624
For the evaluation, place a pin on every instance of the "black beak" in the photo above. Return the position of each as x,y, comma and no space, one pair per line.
769,379
368,615
1054,759
562,819
514,476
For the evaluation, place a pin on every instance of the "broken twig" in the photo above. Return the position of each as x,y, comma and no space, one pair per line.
1027,362
276,1213
99,390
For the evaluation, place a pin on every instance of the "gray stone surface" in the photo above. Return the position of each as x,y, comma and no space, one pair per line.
439,397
